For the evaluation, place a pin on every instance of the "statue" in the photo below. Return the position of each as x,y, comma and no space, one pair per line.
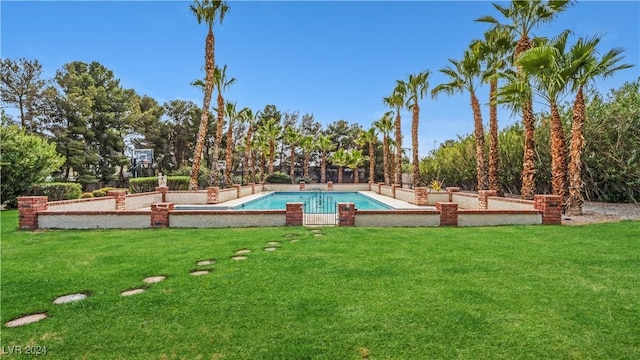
162,180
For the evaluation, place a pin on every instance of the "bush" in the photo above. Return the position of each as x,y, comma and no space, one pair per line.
99,193
203,176
148,184
86,195
278,178
57,191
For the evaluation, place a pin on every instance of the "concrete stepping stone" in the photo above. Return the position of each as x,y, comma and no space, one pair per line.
239,258
154,279
206,262
317,235
316,231
242,251
199,272
270,249
273,243
70,298
291,235
132,292
24,320
295,240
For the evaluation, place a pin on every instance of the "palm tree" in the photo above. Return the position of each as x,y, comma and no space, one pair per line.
414,89
324,145
308,144
396,101
462,76
222,84
340,158
493,50
233,115
354,160
292,137
271,129
385,126
524,16
262,145
208,11
590,69
247,162
369,138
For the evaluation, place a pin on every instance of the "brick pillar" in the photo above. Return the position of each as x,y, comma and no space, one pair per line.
213,195
420,196
294,214
302,186
483,198
380,185
393,189
121,198
164,190
346,214
329,185
238,189
160,214
451,190
28,207
551,207
253,188
448,213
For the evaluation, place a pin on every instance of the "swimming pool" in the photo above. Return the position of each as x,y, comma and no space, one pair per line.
316,201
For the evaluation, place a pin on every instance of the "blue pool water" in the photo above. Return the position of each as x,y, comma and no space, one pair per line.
318,201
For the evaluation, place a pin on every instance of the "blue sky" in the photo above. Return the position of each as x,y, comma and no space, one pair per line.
336,60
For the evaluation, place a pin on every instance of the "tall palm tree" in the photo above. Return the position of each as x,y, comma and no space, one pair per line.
340,158
271,129
249,118
308,144
262,144
396,101
464,75
233,115
292,137
385,126
324,145
222,84
354,160
493,50
369,138
522,17
208,11
590,68
414,89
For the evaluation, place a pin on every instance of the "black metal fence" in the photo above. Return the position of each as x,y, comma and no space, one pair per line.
320,209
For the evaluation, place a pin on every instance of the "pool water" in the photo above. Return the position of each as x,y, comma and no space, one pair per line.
314,201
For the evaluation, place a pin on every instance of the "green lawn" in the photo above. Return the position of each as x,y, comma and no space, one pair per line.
525,292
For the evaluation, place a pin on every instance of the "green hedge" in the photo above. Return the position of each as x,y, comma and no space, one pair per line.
57,191
278,178
148,184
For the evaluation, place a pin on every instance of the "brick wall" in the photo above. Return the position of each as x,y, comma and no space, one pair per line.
346,214
420,194
483,198
213,195
294,214
551,207
448,213
160,214
28,207
121,198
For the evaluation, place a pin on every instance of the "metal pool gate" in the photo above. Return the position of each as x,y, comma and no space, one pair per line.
320,209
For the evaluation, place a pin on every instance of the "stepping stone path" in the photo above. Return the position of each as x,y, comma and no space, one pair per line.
273,243
242,251
206,262
132,292
199,272
239,258
317,235
69,298
295,240
316,231
270,249
24,320
154,279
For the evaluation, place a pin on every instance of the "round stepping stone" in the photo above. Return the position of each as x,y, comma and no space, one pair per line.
317,235
206,262
199,272
24,320
292,235
316,231
270,249
239,258
273,243
132,292
154,279
243,251
294,240
69,298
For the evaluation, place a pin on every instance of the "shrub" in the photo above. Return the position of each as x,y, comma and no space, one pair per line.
278,178
57,191
86,195
99,193
203,176
148,184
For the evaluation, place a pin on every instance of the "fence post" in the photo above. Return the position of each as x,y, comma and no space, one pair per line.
346,214
329,185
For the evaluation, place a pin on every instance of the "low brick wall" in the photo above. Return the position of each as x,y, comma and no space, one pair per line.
90,204
394,218
510,204
386,191
142,200
94,219
186,197
437,196
228,194
464,200
224,219
405,195
498,217
246,190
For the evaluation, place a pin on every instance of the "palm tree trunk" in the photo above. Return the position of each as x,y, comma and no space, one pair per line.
385,160
306,164
414,144
494,155
292,168
263,160
479,135
323,168
528,162
398,160
228,156
558,155
204,118
339,174
356,175
575,199
247,154
272,150
217,141
372,169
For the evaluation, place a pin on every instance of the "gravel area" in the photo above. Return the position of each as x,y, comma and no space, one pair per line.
596,212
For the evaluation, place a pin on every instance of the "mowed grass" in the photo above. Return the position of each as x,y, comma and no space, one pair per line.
526,292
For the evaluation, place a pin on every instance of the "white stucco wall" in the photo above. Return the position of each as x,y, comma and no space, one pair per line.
465,201
509,204
281,187
228,194
245,191
92,204
434,197
187,197
386,191
139,201
406,195
95,221
351,187
398,219
225,220
498,219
